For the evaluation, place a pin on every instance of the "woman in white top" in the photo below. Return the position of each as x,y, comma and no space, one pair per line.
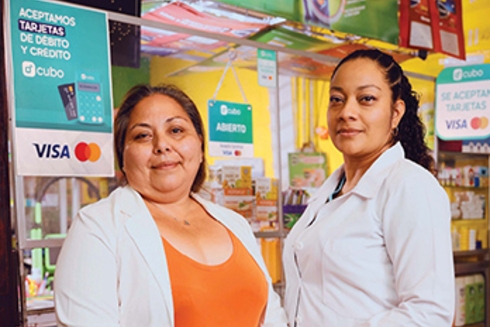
154,253
373,247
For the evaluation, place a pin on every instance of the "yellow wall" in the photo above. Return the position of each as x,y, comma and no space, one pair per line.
426,90
334,157
201,87
302,117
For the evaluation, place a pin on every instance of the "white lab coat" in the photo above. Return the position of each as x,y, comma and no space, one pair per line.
379,255
112,270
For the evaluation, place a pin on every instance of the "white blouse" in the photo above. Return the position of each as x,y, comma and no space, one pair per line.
379,255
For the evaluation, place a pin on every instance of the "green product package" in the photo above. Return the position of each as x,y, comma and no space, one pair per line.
307,169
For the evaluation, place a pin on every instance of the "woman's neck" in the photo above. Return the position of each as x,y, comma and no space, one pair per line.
171,201
354,169
352,176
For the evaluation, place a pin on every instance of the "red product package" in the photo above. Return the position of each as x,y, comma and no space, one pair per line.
415,22
447,24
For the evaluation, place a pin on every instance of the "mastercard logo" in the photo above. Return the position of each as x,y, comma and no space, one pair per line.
479,122
90,152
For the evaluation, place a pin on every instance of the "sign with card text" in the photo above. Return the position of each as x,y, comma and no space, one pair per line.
230,129
62,106
267,67
463,103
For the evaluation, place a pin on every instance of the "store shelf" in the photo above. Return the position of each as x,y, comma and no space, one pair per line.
483,188
44,319
471,267
448,155
463,221
467,170
471,253
270,234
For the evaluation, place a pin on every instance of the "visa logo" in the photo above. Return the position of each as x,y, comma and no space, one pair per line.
456,124
227,153
53,151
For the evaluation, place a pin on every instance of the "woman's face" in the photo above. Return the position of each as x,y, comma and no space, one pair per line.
361,115
162,151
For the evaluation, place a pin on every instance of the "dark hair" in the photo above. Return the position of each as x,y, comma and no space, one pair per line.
411,130
142,91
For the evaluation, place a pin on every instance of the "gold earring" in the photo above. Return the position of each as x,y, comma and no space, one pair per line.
395,131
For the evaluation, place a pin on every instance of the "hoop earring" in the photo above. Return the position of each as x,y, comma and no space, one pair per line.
395,131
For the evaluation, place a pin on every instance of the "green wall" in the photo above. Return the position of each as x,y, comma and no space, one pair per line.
123,78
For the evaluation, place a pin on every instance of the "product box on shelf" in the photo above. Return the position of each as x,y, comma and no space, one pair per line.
307,169
271,252
237,190
468,205
291,213
470,300
482,172
294,204
467,176
266,198
468,237
212,188
460,293
479,298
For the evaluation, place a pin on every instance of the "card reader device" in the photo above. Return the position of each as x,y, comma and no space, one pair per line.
89,99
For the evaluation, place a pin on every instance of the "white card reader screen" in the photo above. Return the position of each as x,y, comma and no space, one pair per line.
88,87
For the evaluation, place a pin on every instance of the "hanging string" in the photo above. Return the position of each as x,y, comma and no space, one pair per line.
232,56
221,80
239,85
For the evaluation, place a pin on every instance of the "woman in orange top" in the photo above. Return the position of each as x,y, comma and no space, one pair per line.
154,253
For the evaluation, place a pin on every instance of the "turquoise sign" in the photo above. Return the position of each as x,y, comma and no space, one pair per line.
61,82
61,67
463,103
230,128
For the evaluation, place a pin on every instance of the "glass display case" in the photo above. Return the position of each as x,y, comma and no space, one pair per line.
45,209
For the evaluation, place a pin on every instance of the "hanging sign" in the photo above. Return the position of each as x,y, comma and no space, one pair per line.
230,129
463,103
267,67
62,90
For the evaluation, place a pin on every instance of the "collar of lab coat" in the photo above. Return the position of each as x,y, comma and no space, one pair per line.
144,232
369,183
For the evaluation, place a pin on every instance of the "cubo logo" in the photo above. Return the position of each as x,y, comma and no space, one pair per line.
29,69
459,74
90,152
479,122
229,111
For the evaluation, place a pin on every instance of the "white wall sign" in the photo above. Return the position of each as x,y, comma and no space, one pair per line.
267,67
463,103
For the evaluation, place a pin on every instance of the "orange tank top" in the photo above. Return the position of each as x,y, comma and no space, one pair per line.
233,293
